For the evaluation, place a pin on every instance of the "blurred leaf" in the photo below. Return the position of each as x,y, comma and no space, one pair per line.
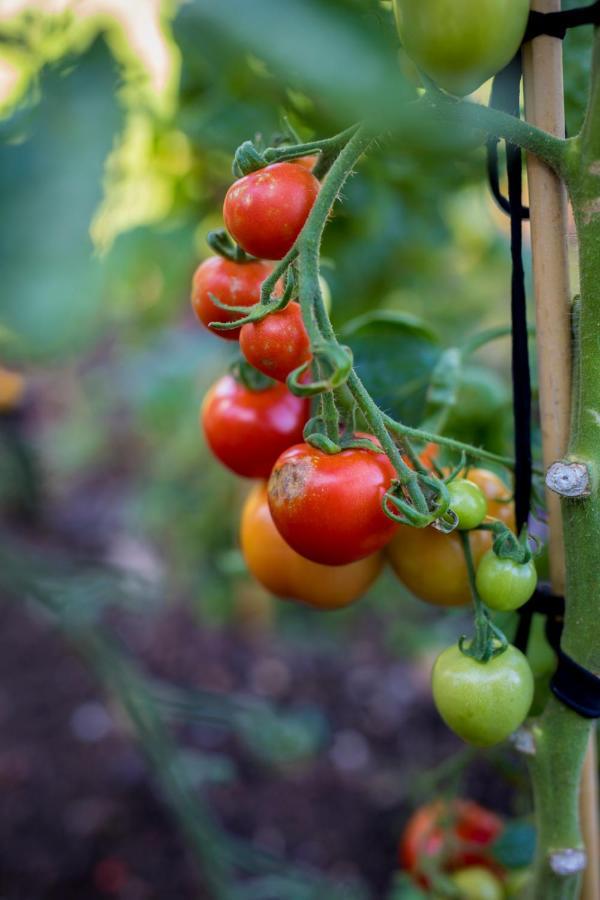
343,53
50,183
394,355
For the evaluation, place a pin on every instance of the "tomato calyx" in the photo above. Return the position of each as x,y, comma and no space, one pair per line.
220,242
399,504
249,158
249,377
325,355
268,303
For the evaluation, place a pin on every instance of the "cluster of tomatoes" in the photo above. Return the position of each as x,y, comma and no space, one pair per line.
313,528
451,844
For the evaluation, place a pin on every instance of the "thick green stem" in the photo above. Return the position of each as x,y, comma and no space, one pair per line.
494,122
561,737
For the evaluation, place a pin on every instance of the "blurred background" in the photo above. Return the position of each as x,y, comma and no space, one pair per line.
169,730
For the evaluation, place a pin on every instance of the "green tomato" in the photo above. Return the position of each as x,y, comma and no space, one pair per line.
517,882
477,883
461,43
482,702
468,501
504,584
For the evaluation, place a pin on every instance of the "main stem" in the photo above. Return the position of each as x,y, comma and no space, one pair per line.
562,736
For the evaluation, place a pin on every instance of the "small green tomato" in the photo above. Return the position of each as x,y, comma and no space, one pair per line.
504,584
477,883
483,703
468,501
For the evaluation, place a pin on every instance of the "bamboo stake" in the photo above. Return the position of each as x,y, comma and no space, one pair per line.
544,107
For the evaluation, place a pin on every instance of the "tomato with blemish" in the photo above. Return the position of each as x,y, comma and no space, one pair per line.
247,430
265,211
328,506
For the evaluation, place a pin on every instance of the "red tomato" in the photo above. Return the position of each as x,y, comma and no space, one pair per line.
277,344
265,211
308,162
286,574
247,430
233,283
328,506
459,834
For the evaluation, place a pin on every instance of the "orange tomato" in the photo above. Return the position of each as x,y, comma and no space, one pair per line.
286,574
432,565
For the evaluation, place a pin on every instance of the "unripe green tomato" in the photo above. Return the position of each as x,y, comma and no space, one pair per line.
517,882
461,43
477,883
483,703
468,501
504,584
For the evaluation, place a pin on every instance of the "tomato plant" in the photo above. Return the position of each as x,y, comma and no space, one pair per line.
277,344
328,507
504,584
460,45
233,283
247,430
483,702
449,836
286,574
266,210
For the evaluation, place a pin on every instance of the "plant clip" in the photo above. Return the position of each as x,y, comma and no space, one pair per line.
247,159
576,687
337,358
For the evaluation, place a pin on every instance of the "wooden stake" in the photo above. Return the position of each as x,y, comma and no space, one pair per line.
544,107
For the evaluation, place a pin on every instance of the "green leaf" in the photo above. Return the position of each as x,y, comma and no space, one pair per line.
53,288
442,392
394,355
515,847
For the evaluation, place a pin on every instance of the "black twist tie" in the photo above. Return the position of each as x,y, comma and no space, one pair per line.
576,687
556,24
506,96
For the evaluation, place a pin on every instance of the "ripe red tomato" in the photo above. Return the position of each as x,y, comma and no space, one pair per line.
236,284
247,430
266,210
459,834
277,344
308,162
286,574
328,506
